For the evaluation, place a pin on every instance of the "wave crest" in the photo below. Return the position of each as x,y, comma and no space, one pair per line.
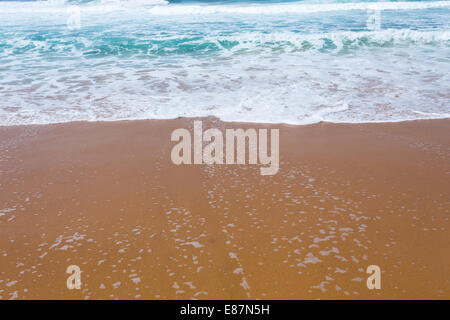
102,45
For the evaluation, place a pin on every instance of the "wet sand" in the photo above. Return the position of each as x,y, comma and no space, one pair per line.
106,197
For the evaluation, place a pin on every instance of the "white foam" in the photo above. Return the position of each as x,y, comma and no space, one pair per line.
291,8
11,283
134,2
195,244
62,6
267,74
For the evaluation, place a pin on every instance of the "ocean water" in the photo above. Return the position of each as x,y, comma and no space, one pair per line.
294,62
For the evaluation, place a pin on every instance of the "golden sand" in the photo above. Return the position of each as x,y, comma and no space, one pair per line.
106,197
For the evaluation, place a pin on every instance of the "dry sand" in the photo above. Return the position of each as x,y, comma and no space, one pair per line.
106,197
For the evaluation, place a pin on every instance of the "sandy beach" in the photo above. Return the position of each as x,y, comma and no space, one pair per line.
106,196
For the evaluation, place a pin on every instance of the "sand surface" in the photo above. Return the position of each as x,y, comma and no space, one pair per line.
106,197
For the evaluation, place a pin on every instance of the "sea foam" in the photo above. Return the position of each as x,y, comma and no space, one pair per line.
293,62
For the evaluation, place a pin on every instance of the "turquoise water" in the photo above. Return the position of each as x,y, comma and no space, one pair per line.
264,61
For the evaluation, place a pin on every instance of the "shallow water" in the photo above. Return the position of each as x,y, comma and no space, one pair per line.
295,62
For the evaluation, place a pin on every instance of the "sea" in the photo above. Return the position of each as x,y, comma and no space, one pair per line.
294,62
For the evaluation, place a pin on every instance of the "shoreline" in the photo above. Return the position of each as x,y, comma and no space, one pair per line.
106,196
224,121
